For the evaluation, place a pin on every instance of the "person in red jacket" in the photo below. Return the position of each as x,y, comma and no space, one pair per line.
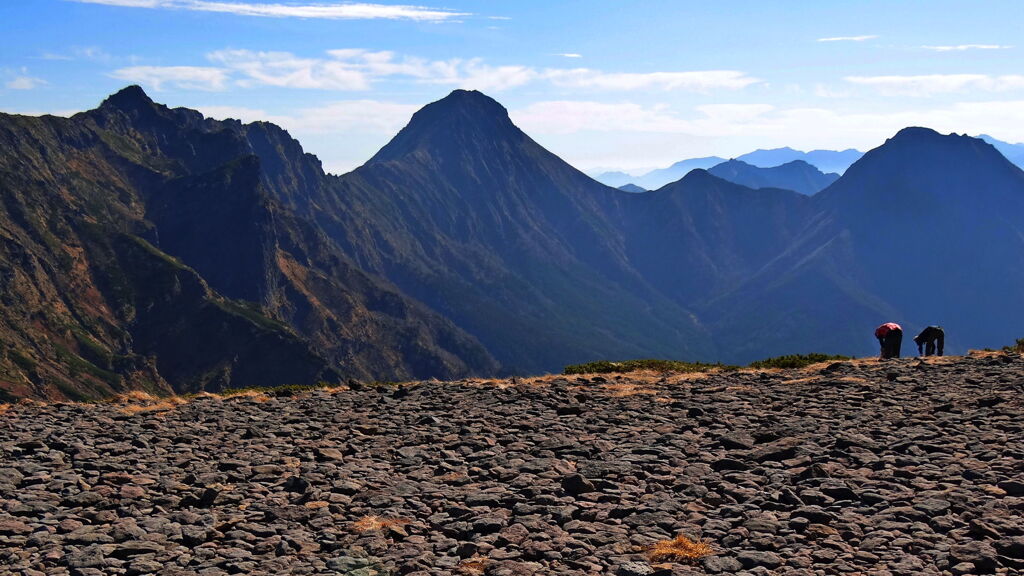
890,337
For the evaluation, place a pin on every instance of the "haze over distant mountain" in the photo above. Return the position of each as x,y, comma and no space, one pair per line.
824,160
796,175
1013,152
631,188
827,161
657,178
148,247
615,179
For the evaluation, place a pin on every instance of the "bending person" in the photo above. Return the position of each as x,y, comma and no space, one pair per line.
930,338
890,337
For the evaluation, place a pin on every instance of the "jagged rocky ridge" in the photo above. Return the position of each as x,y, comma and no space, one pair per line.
901,468
463,247
145,247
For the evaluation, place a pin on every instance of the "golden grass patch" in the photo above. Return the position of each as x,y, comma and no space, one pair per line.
680,549
473,565
374,523
252,395
137,402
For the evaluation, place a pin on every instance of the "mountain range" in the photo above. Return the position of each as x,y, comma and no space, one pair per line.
826,161
796,175
148,247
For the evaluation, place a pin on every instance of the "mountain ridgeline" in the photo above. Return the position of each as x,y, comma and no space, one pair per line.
143,247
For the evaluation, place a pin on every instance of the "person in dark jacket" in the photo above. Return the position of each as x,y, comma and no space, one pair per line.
890,337
930,338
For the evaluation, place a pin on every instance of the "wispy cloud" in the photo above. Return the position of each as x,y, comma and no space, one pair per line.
355,70
287,70
325,11
91,53
24,83
629,134
20,79
182,77
358,70
965,47
340,117
569,55
931,84
848,38
697,81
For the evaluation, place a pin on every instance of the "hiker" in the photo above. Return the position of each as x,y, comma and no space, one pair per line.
890,337
930,338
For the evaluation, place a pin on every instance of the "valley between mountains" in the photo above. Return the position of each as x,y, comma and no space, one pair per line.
150,248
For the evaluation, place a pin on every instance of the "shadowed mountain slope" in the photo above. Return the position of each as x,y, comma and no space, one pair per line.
465,212
926,229
144,247
148,247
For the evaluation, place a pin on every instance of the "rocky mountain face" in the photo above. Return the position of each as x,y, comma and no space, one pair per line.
148,247
144,247
797,175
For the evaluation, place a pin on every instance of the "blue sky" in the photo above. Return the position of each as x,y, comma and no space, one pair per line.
602,83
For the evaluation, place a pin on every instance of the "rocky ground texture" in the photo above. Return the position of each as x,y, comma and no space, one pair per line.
905,467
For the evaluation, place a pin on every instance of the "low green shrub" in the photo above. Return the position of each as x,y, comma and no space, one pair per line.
607,367
1018,347
796,360
276,391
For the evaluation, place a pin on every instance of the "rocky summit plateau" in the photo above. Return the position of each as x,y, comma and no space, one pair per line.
905,467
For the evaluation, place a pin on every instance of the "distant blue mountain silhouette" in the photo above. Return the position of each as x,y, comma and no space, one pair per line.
797,175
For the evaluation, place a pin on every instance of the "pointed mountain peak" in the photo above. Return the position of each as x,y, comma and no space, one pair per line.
128,98
465,117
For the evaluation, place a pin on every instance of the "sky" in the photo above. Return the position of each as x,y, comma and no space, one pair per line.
605,84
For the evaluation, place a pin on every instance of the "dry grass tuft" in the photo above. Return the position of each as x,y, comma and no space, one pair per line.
473,565
140,402
251,394
374,523
680,549
134,396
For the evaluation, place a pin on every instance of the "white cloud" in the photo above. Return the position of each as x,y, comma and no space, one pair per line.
340,117
569,117
92,53
288,70
963,47
931,84
356,70
182,77
326,11
848,38
698,81
569,55
24,83
626,135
